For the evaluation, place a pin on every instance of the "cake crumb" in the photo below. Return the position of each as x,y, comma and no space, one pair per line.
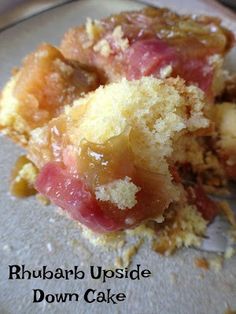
103,48
229,311
42,199
24,174
228,212
126,259
202,262
119,192
216,263
121,244
93,29
118,262
230,252
118,36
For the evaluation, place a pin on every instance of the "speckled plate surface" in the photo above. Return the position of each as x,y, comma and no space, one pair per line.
35,235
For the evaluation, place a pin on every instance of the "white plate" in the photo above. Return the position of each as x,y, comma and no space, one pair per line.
35,235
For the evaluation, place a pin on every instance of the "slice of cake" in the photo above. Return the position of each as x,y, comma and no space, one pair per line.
132,155
108,160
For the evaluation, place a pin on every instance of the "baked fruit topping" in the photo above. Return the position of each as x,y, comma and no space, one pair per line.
40,89
152,41
115,154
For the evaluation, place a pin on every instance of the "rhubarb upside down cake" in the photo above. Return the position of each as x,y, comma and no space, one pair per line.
128,124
